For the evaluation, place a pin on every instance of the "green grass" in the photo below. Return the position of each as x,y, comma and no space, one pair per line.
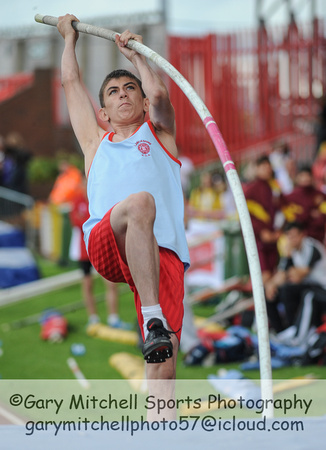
50,268
27,356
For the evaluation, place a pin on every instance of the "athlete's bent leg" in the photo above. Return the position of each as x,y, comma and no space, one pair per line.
132,222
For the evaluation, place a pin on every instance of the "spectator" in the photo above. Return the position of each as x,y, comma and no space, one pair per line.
323,188
306,205
319,168
301,269
226,197
204,201
262,197
14,168
282,164
66,184
311,315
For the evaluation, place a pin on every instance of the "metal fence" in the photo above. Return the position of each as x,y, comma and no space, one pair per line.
259,86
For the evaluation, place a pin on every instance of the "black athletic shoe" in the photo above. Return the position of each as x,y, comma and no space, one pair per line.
157,346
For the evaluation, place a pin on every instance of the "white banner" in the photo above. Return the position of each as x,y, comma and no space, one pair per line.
207,248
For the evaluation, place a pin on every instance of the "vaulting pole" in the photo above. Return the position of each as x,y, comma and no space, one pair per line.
234,182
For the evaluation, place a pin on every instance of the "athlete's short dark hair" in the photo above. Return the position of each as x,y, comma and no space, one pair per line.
116,74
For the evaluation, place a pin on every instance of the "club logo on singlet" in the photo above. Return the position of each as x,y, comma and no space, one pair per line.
144,147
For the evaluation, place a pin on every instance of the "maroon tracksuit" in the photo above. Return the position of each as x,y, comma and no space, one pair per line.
262,206
303,205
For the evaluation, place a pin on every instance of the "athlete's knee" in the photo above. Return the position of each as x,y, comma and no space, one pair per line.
142,206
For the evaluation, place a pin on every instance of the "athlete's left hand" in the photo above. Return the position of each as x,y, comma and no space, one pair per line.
122,42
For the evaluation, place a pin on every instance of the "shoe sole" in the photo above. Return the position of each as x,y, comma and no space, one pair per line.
158,353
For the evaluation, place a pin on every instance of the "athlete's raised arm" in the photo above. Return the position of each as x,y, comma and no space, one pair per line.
81,112
161,111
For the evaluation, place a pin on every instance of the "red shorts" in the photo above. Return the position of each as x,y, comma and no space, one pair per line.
106,259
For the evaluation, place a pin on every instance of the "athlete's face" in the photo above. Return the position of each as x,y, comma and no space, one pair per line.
123,100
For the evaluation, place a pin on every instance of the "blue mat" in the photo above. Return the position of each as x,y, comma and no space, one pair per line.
17,266
11,236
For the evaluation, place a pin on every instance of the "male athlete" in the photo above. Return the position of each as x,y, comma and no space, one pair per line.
135,233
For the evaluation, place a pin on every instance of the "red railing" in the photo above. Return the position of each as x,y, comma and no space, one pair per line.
257,85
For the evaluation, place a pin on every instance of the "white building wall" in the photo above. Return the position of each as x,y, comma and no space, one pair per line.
42,46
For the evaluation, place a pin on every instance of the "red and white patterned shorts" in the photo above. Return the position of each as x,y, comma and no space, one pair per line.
106,259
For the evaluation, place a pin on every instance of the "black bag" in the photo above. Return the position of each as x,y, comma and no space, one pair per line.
232,349
316,349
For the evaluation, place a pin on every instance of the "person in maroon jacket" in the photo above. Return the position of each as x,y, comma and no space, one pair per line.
306,204
262,197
